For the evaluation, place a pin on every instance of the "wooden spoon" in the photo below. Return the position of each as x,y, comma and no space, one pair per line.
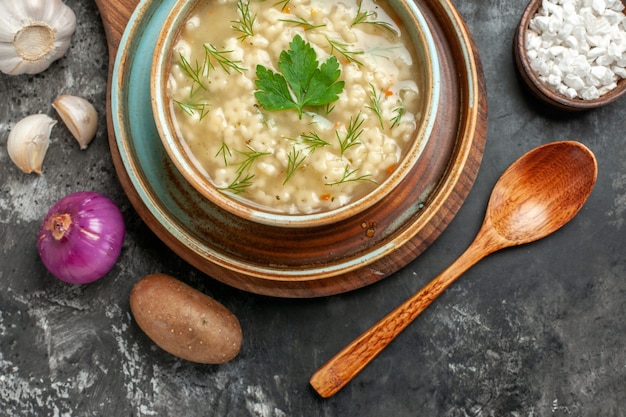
535,196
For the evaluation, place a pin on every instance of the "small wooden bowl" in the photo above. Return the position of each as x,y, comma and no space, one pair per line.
539,88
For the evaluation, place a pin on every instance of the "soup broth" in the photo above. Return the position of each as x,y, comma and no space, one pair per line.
297,106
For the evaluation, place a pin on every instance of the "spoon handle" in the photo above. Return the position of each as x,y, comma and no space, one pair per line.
346,364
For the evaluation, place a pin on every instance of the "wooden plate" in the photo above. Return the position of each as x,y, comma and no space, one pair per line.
283,262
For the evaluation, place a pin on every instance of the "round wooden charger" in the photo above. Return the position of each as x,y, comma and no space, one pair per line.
287,262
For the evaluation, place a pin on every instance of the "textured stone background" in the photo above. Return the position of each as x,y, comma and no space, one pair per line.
532,331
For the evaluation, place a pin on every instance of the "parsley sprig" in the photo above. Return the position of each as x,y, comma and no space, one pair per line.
302,81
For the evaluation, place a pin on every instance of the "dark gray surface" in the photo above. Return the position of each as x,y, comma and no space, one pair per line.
537,330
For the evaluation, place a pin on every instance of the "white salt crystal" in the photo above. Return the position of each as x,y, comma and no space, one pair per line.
598,26
599,6
570,92
571,42
619,71
613,17
605,60
553,80
579,65
595,40
569,10
589,93
565,30
616,50
605,89
602,74
551,8
592,81
539,23
574,81
541,67
556,50
533,40
596,52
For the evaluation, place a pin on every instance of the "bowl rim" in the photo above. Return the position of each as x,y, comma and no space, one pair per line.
192,171
538,87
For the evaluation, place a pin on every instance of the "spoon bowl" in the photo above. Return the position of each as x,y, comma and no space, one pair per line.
537,195
537,86
541,191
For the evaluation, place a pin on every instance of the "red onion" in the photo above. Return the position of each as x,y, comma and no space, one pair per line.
81,237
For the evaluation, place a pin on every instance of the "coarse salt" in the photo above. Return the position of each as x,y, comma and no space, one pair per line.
578,47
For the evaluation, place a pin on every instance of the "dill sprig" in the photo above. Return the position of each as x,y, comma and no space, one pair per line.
349,176
352,135
227,64
295,158
312,140
244,178
308,142
375,100
399,112
240,184
343,50
202,109
382,52
245,23
196,72
283,3
225,151
305,24
249,158
362,17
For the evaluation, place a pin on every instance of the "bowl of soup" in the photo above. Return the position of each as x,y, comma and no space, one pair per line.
296,113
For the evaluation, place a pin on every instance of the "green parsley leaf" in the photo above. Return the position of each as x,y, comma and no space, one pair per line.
302,81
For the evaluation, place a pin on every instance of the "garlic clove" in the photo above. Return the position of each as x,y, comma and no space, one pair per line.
33,34
28,142
79,116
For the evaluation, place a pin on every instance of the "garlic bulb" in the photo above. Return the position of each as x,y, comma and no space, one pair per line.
79,116
28,142
33,34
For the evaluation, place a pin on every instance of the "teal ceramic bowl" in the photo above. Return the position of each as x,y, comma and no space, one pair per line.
427,75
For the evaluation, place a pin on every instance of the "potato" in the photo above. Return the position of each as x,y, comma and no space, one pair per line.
183,321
